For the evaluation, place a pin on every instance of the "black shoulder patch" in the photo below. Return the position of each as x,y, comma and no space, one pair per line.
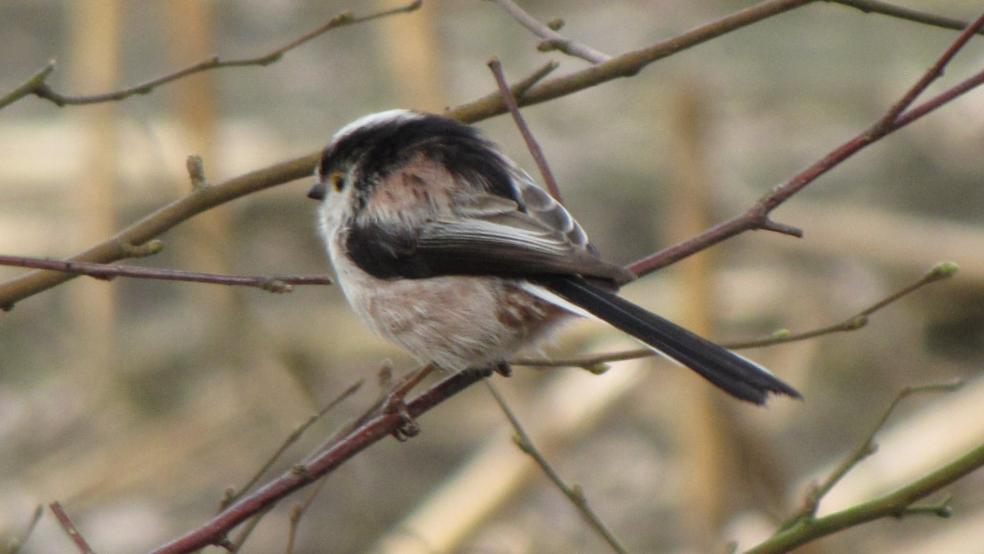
385,253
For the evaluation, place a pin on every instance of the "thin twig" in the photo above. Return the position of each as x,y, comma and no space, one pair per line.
372,430
902,12
247,530
70,529
552,40
531,144
37,84
866,448
294,435
17,543
298,511
933,73
282,283
899,503
572,492
596,363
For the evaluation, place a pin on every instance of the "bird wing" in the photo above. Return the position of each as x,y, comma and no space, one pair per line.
482,233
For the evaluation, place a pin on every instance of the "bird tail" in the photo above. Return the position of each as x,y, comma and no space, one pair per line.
734,374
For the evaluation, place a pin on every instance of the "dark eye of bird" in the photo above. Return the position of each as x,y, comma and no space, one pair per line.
337,181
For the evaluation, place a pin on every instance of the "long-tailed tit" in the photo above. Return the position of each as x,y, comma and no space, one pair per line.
445,247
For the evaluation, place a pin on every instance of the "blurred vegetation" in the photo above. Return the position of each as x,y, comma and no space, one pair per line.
137,403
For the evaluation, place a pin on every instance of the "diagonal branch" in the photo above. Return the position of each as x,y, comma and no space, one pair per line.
70,529
861,451
804,527
552,40
531,144
898,116
370,431
38,85
902,12
573,493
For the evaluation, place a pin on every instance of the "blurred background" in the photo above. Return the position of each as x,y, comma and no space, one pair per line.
137,403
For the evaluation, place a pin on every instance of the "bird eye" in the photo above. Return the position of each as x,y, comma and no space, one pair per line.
337,180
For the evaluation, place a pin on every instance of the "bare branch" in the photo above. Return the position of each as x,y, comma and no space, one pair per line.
70,529
862,451
552,40
597,363
37,84
893,120
573,493
279,284
898,503
901,12
17,543
531,144
348,445
627,64
154,224
290,440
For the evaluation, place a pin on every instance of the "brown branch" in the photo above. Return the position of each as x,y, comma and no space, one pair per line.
531,144
627,64
358,439
573,493
38,86
757,217
294,435
282,283
901,12
488,106
597,363
154,224
552,40
70,529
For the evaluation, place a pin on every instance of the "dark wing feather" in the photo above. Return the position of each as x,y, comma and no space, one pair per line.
483,234
732,373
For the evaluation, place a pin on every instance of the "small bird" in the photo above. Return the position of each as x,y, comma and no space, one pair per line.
447,248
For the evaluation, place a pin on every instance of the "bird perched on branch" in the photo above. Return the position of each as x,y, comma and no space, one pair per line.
448,249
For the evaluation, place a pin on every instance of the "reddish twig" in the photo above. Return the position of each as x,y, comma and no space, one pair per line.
283,283
757,217
70,529
38,85
370,431
534,147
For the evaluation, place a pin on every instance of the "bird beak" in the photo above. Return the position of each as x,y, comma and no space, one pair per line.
317,192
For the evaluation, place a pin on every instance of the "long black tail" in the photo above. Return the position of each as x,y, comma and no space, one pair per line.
729,371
